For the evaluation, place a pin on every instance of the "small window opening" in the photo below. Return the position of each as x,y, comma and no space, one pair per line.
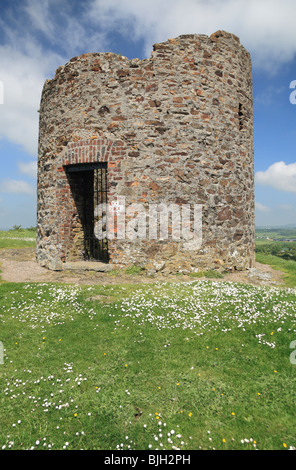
240,116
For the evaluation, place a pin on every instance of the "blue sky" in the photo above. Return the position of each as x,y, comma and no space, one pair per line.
37,36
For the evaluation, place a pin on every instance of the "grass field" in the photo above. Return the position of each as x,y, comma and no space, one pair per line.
278,233
279,254
18,238
188,366
288,267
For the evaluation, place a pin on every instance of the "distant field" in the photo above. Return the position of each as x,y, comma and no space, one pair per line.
20,238
276,233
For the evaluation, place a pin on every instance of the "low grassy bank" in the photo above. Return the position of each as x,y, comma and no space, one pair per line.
288,267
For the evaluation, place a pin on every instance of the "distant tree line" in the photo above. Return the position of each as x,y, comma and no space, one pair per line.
20,228
285,250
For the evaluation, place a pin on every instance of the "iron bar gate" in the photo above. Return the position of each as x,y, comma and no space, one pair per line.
90,188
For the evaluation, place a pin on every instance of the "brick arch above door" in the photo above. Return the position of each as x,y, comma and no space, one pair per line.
93,150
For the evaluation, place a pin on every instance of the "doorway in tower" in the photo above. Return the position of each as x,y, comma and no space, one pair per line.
88,237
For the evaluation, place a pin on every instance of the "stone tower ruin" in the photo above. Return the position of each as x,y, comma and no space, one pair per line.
141,141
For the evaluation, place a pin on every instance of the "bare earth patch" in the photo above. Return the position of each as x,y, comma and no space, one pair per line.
19,265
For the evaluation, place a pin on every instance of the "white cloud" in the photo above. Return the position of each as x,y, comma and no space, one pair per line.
23,75
38,13
261,207
11,186
267,96
40,36
279,176
65,25
285,207
265,27
29,169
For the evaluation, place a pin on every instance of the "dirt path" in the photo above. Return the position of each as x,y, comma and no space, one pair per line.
19,265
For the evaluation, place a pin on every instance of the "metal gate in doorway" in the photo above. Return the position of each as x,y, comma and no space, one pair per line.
89,187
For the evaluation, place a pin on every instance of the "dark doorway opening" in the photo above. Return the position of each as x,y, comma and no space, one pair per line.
88,183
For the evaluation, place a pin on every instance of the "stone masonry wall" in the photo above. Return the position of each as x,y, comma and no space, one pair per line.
176,128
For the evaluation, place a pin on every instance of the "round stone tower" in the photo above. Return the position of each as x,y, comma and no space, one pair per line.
149,162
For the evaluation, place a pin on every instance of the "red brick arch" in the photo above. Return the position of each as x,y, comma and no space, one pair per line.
93,150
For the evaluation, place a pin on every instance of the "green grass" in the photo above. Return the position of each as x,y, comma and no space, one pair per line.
288,267
208,274
278,254
18,238
190,365
134,270
276,233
